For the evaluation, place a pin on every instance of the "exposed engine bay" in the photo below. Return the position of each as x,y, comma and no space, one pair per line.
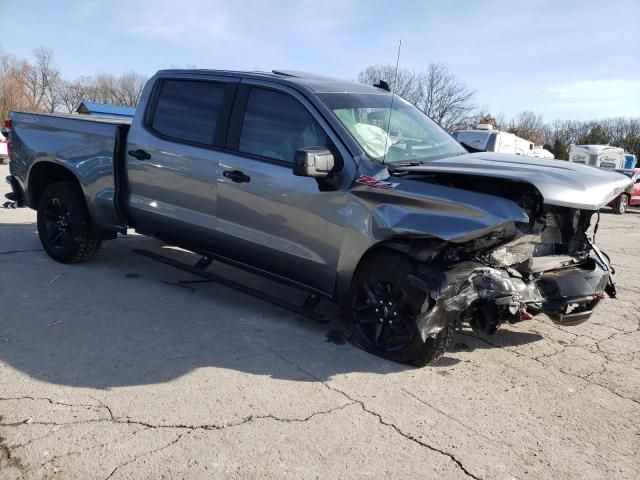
548,265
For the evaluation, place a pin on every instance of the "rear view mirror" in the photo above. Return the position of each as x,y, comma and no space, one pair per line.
313,162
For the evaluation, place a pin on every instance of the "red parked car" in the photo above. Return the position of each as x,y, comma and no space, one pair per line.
625,200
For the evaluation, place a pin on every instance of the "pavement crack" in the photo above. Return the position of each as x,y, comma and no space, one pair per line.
46,399
8,459
79,452
126,420
365,409
584,378
243,421
10,252
151,452
418,441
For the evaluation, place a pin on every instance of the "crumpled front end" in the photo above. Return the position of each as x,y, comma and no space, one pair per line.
550,266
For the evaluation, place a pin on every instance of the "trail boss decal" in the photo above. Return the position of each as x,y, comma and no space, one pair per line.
374,182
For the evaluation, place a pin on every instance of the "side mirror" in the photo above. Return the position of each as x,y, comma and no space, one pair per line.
313,162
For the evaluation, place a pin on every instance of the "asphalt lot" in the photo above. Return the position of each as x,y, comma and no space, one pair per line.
111,370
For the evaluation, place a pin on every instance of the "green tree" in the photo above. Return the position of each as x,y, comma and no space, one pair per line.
597,135
559,150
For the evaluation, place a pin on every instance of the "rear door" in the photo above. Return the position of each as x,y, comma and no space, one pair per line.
268,218
173,156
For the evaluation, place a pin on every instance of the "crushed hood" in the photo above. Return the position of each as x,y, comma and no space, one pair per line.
560,182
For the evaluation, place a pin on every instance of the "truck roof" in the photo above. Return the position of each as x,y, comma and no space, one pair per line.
311,81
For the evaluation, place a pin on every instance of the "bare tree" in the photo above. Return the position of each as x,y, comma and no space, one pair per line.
409,84
72,94
129,88
123,90
530,126
38,86
447,100
12,96
437,92
40,81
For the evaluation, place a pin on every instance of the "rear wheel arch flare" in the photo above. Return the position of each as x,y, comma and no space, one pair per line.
43,174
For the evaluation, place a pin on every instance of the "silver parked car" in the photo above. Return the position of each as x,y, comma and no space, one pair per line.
340,189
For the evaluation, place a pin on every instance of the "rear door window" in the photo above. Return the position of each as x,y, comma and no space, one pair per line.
275,125
189,111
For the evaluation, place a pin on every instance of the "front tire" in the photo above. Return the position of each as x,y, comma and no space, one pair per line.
64,225
381,308
621,204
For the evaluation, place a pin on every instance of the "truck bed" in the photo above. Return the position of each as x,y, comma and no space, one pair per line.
91,148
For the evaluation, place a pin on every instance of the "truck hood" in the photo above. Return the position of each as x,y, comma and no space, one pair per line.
560,182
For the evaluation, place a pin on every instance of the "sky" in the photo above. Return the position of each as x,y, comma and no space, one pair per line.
563,59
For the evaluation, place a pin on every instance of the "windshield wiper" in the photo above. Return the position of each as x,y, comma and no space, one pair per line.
408,163
392,167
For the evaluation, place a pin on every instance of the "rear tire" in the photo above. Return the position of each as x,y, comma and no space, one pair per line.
381,308
621,204
64,224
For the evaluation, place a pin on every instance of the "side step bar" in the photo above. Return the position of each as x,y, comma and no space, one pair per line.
199,269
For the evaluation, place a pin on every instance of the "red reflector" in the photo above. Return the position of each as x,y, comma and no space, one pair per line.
524,315
7,123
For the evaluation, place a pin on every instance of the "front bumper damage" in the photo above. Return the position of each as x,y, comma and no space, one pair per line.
567,295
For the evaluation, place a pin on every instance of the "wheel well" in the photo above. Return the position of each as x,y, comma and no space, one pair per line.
623,194
421,249
44,174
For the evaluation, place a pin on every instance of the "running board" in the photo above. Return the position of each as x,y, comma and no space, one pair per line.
199,271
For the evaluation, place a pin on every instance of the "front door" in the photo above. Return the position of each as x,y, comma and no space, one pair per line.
635,193
172,160
267,217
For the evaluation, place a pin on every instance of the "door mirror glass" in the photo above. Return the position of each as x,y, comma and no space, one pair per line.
313,162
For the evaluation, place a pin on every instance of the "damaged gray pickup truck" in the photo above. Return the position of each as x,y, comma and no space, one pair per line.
340,189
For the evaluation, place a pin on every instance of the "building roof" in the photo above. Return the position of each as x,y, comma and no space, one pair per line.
95,108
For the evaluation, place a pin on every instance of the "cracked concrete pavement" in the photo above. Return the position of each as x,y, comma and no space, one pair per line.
110,370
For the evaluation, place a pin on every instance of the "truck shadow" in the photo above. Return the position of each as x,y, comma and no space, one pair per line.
123,320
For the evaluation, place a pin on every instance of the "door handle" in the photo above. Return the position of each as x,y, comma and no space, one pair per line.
139,154
236,176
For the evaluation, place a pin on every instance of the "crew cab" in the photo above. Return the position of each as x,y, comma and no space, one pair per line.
340,189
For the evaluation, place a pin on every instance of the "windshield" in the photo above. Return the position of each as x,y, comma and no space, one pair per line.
408,136
473,138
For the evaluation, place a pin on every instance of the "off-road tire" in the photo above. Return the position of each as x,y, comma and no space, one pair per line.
80,243
621,204
389,267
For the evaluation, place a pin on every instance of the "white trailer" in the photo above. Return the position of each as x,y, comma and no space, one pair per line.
603,156
485,138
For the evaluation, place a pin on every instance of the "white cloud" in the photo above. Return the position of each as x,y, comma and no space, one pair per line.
610,97
197,22
248,23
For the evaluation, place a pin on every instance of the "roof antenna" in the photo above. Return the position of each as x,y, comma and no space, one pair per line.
393,95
